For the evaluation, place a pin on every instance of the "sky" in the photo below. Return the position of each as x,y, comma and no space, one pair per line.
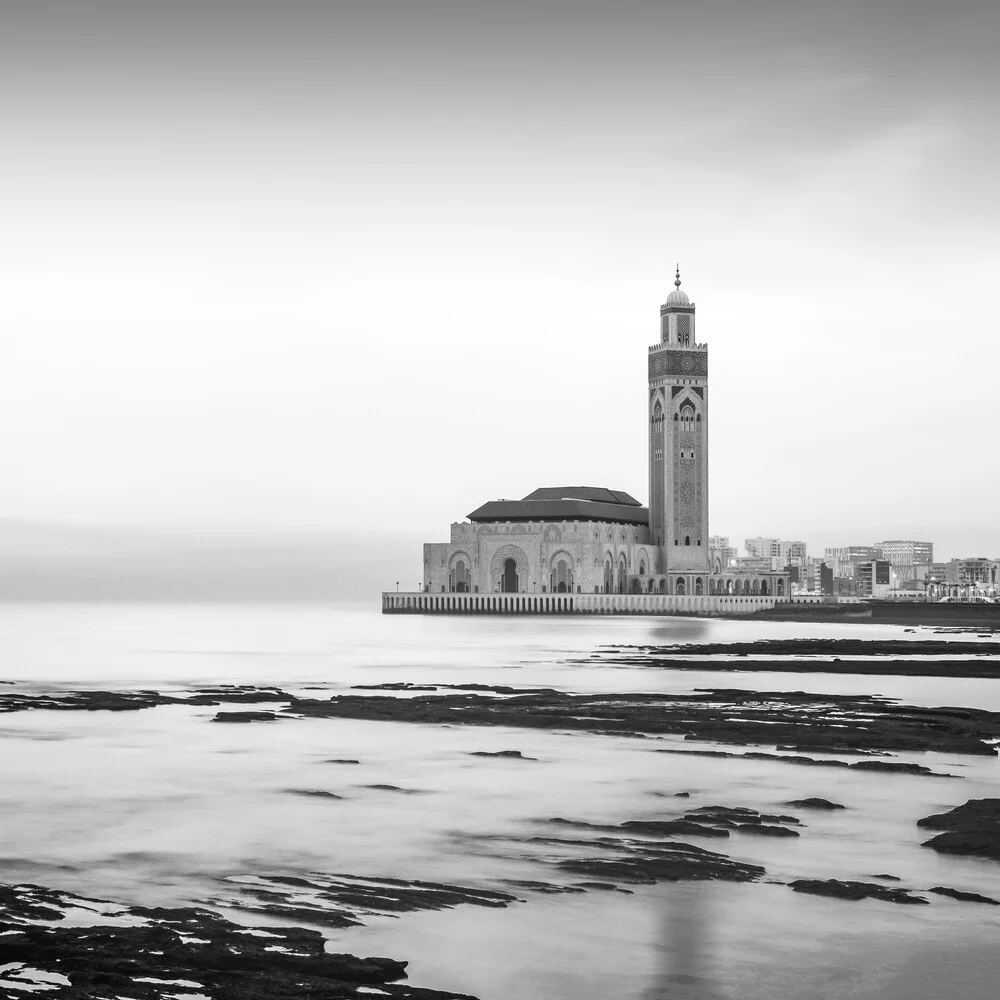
280,276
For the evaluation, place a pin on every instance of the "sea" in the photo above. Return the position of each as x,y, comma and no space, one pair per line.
156,806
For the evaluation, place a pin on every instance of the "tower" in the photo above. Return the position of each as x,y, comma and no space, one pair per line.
678,446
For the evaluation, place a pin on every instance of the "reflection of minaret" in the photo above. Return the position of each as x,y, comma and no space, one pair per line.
678,445
683,960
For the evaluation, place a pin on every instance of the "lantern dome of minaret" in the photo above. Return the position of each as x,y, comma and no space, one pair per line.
677,297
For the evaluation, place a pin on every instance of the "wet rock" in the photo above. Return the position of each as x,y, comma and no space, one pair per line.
972,828
682,795
396,788
315,793
801,761
512,754
549,888
888,878
665,862
672,827
765,830
223,960
337,900
855,890
895,767
341,761
245,717
968,897
814,803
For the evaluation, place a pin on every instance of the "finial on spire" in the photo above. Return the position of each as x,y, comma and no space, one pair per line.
677,277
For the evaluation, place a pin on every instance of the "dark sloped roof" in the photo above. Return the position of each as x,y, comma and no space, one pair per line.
594,494
559,510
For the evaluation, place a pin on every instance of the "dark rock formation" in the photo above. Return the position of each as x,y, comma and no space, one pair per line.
822,723
855,890
513,754
807,761
316,793
816,723
968,897
341,761
814,803
223,960
245,717
337,900
972,828
396,788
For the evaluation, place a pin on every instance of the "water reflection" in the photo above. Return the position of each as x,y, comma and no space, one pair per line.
683,950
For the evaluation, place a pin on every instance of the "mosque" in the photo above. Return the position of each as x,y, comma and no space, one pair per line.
590,540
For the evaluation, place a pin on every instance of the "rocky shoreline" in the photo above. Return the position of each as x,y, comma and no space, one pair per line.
151,953
792,722
888,657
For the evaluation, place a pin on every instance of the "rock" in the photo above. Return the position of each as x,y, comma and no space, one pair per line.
896,767
670,827
984,844
682,795
972,828
548,888
888,878
764,830
316,793
134,949
337,900
855,891
814,803
341,761
245,717
396,788
666,862
513,754
968,897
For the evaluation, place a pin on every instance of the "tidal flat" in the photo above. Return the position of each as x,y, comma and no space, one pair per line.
492,808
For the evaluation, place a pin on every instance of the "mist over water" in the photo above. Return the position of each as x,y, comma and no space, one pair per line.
155,806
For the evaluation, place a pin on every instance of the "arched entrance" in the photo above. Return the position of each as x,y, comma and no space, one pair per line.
763,588
460,577
561,577
699,587
679,585
621,575
508,581
781,587
608,576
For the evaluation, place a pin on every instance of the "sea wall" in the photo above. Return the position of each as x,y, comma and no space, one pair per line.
574,604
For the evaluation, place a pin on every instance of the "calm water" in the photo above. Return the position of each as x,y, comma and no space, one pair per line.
154,806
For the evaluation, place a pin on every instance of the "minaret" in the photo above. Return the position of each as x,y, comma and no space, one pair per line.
678,446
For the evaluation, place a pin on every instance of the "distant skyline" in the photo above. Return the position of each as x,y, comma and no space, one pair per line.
346,271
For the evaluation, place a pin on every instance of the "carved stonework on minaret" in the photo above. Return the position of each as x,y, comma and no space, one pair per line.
678,444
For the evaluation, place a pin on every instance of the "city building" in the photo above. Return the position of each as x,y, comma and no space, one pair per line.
873,579
783,552
720,549
593,540
846,559
911,560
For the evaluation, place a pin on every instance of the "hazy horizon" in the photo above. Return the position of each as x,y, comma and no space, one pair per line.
320,279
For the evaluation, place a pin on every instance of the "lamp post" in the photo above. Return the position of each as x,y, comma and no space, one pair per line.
397,586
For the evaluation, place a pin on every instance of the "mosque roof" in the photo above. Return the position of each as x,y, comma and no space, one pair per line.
566,503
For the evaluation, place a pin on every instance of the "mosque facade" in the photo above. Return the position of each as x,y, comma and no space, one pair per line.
595,540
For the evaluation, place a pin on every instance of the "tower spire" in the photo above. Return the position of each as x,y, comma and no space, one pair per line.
677,277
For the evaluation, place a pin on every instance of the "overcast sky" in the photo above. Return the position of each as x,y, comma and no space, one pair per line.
282,268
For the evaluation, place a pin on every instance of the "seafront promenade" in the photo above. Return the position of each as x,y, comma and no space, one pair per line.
582,604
